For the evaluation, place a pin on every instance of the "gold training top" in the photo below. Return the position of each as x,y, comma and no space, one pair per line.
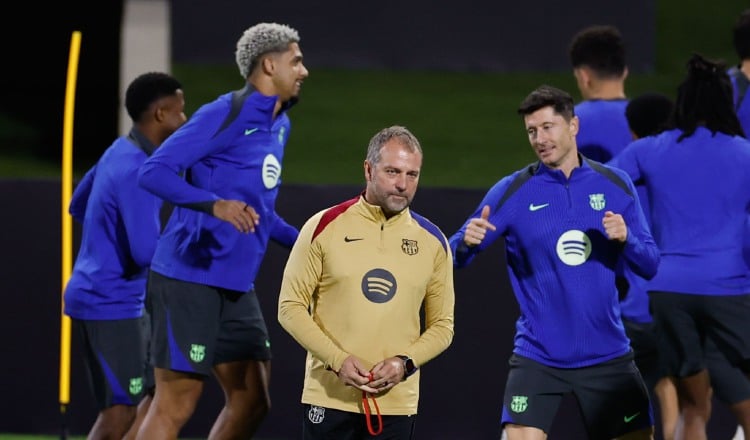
353,285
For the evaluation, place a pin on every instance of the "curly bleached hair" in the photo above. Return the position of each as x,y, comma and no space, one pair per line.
261,39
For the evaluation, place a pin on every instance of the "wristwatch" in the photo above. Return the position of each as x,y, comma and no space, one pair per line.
409,367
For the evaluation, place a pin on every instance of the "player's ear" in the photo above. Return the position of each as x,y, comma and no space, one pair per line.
574,125
268,64
158,113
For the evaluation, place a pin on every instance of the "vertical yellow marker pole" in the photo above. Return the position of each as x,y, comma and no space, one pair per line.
67,222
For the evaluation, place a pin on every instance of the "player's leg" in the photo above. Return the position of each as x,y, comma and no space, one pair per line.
140,415
694,393
114,350
242,366
666,395
247,399
677,317
728,353
185,322
174,402
149,385
730,385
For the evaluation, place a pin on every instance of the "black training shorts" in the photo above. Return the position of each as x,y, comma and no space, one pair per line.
196,326
612,396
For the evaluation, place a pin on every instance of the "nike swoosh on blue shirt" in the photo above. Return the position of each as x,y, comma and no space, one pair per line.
533,207
249,131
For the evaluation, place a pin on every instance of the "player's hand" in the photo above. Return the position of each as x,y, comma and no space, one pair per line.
354,374
241,215
477,228
615,227
387,373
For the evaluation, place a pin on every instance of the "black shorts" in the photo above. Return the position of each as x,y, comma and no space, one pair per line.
644,343
196,326
149,382
685,321
115,356
612,396
321,423
730,384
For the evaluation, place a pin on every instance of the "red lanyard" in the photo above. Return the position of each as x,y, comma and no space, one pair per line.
366,406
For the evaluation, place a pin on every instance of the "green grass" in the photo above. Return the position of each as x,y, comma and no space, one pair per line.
466,122
20,166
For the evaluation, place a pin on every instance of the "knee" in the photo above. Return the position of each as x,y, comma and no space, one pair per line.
263,405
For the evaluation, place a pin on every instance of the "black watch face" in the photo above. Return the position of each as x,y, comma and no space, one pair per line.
409,364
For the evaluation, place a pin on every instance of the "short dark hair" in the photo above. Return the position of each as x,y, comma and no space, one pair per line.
741,35
599,48
548,96
649,114
704,98
146,89
382,137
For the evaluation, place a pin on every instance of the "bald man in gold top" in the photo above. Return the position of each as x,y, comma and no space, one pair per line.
351,296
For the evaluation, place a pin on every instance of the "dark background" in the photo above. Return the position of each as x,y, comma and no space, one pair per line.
461,390
465,36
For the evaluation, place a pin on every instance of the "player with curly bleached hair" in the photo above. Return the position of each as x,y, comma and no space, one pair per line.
261,39
206,318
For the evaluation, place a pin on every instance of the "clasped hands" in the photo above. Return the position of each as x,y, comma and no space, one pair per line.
382,377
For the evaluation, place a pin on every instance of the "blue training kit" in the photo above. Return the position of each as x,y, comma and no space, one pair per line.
561,263
232,149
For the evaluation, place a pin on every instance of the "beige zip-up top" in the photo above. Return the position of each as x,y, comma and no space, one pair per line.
354,284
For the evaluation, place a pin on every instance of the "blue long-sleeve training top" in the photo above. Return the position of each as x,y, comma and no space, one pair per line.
560,262
232,149
699,196
604,130
120,228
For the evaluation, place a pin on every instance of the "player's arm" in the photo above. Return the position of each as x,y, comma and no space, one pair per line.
300,280
438,311
480,229
80,198
640,250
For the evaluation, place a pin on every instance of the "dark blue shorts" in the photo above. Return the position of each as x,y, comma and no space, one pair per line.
644,343
321,423
612,396
685,322
115,355
730,384
196,326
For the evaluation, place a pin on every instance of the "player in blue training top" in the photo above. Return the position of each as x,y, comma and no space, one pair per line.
740,74
597,54
567,221
222,171
106,291
648,115
697,180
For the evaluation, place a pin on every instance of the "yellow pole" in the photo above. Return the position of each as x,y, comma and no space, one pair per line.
67,223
